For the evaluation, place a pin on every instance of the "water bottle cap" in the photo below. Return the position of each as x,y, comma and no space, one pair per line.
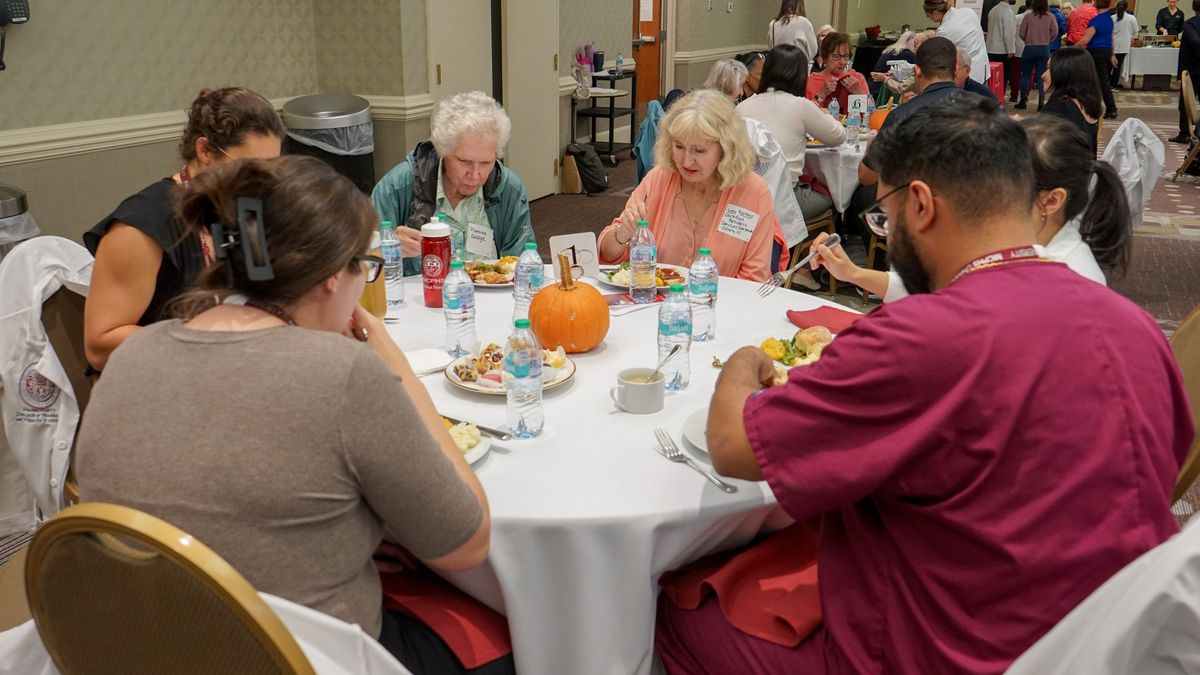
456,264
642,223
676,288
530,246
705,251
521,323
432,229
387,225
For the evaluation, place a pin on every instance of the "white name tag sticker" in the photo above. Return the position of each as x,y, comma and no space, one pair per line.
481,241
738,222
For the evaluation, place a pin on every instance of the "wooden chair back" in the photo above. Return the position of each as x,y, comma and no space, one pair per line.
1185,343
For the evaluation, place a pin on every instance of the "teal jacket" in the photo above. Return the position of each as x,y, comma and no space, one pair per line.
406,196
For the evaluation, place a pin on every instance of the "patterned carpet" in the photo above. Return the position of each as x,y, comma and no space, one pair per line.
1164,274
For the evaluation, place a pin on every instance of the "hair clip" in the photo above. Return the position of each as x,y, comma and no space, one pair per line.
254,239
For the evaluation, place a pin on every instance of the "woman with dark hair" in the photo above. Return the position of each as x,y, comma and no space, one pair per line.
781,106
792,27
1098,40
1074,90
1089,230
1038,29
754,67
1125,28
838,81
143,261
295,491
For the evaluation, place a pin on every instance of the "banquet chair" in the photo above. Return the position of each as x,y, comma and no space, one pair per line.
1193,115
876,244
114,590
823,223
1185,343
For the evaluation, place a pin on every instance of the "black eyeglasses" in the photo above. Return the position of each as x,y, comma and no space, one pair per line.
372,265
874,215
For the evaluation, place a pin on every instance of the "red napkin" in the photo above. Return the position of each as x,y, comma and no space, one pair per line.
768,590
473,631
836,320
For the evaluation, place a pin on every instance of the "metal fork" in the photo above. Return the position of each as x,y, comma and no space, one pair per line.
673,453
779,278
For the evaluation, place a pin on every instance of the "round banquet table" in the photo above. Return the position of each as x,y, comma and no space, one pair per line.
837,169
587,516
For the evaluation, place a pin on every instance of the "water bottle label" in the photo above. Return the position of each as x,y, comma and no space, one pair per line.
703,287
536,279
452,301
518,364
674,327
643,253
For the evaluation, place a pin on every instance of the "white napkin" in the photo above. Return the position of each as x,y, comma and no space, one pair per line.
428,361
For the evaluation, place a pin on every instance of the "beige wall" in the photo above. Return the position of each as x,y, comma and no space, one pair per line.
359,51
608,22
700,29
79,61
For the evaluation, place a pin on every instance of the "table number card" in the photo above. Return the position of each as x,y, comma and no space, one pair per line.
857,104
581,249
481,241
738,222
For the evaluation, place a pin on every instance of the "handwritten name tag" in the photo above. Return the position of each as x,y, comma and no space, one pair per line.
738,222
480,241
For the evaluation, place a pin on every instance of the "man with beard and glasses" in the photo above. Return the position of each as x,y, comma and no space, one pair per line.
981,455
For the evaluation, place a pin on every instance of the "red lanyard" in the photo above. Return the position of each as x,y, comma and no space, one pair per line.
185,177
1007,255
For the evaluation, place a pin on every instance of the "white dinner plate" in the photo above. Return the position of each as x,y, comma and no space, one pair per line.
695,430
483,285
561,377
481,449
605,272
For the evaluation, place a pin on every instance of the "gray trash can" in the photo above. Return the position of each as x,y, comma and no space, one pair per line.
336,128
16,222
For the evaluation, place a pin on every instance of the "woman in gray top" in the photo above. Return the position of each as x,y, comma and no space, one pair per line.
277,422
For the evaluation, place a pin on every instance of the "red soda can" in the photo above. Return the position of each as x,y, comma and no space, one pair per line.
435,260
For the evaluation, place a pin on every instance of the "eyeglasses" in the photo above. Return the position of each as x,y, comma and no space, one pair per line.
372,265
874,215
839,57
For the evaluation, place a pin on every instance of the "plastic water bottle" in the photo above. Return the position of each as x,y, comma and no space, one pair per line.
620,64
835,109
852,128
527,280
643,264
393,267
702,293
523,382
866,122
675,328
458,304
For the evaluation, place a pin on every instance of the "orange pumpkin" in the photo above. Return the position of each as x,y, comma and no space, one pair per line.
569,314
879,116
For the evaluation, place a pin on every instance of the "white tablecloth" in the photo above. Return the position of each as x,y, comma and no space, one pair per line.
1152,61
587,516
837,169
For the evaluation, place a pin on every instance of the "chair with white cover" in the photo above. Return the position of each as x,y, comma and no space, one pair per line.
1138,155
1191,110
1144,620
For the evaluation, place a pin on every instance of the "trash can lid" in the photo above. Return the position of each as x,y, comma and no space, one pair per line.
326,111
12,201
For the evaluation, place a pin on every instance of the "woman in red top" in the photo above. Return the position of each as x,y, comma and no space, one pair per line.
837,81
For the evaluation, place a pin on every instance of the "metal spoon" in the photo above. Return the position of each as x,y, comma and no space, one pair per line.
674,351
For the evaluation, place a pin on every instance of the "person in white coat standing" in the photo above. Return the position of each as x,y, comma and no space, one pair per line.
961,26
1125,27
791,27
1001,43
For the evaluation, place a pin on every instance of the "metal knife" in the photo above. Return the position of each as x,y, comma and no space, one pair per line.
486,431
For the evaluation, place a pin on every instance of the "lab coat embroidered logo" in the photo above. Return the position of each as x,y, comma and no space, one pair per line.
37,391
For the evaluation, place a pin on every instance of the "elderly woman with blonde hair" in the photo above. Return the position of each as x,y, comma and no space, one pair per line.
728,76
457,176
702,193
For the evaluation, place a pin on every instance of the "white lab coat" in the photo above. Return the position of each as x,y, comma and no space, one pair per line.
1123,33
1138,156
40,411
961,26
772,166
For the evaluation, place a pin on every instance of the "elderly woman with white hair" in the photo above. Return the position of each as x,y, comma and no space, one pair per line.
728,76
458,177
702,193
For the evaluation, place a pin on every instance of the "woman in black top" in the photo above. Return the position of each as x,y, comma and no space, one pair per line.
143,259
1074,90
1169,20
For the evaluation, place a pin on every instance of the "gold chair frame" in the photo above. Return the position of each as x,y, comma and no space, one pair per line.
158,538
823,223
1185,343
1190,108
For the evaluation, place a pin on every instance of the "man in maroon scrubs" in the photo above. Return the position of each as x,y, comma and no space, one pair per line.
983,454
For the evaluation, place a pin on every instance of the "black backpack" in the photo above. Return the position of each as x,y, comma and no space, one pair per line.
592,173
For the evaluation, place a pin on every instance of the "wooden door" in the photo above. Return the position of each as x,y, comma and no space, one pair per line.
530,30
647,48
460,47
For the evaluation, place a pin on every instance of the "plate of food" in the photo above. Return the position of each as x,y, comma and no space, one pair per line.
801,349
472,444
665,275
484,374
695,430
493,273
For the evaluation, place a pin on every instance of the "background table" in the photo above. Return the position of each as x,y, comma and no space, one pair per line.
837,169
1151,61
587,516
